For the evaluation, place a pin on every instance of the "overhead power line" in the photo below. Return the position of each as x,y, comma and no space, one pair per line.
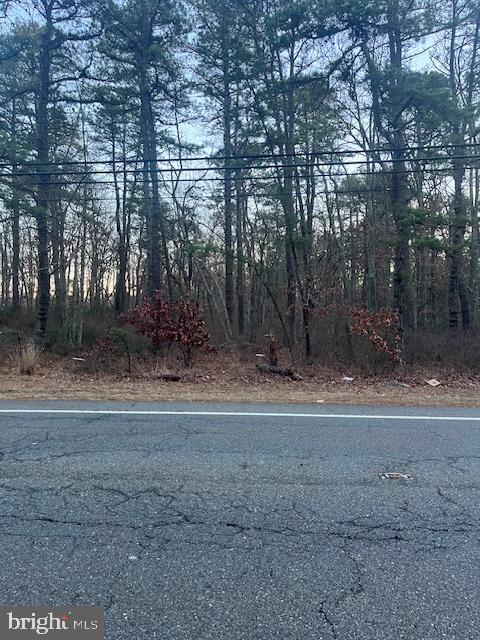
256,156
139,196
141,182
305,165
259,194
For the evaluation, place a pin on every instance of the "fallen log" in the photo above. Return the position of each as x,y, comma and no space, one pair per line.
281,371
169,377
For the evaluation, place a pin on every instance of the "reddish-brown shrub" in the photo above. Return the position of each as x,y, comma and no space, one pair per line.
380,329
181,322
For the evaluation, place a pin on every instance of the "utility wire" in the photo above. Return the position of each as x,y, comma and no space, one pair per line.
439,171
142,199
42,174
257,156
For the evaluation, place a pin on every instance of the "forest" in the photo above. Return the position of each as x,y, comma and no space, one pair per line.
212,172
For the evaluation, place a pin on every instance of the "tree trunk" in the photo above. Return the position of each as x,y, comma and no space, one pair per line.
241,203
227,193
474,177
150,204
158,211
16,255
120,299
474,246
288,204
456,297
43,193
58,259
402,286
15,217
370,248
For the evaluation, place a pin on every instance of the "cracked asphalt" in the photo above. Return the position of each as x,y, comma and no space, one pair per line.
245,527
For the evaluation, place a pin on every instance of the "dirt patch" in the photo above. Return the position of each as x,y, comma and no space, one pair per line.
225,379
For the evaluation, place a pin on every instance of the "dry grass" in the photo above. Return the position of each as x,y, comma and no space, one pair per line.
160,369
225,378
26,358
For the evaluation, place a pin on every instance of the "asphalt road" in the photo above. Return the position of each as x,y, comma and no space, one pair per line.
228,527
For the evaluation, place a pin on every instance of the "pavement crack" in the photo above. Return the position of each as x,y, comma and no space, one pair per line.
328,619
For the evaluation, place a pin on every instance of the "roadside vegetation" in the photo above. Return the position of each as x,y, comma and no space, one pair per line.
152,353
284,192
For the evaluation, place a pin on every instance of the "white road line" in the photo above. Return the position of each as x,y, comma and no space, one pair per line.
332,416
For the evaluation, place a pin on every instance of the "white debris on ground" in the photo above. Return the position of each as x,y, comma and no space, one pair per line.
395,475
